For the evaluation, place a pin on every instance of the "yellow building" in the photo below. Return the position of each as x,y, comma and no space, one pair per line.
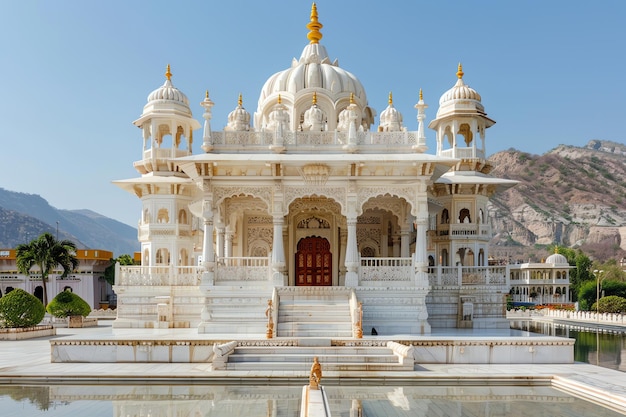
87,280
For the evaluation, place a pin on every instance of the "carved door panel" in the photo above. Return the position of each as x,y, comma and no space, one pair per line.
314,262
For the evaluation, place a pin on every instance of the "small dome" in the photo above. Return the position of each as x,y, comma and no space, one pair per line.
238,119
460,91
168,92
390,118
557,259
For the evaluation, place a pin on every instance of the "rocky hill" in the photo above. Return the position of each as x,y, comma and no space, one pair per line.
571,196
23,217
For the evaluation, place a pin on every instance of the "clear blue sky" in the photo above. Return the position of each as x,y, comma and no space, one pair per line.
77,73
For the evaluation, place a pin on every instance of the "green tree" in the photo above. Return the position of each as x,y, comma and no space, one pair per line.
66,303
610,304
109,272
20,309
47,253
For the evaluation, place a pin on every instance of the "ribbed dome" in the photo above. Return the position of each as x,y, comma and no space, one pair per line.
168,92
390,118
313,70
557,259
460,91
238,119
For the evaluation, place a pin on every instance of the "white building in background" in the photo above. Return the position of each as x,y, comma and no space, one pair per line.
542,282
87,280
342,222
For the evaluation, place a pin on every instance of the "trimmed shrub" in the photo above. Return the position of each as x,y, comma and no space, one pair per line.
611,304
66,303
20,309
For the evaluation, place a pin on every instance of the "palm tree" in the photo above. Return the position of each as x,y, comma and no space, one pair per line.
47,253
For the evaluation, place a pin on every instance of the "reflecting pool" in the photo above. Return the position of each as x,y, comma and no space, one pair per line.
604,348
277,401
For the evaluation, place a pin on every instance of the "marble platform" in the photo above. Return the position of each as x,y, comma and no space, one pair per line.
29,362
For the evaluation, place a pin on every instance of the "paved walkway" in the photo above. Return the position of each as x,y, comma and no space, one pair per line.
28,361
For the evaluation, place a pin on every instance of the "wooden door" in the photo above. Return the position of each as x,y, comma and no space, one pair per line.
314,262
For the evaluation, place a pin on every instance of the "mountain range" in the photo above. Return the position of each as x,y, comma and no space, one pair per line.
23,217
570,196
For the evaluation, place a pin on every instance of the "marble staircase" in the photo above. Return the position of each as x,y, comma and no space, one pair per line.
308,317
333,358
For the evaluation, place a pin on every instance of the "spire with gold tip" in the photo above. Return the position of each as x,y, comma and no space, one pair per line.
314,27
459,72
168,73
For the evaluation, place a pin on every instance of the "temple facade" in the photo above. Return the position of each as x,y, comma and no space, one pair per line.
310,217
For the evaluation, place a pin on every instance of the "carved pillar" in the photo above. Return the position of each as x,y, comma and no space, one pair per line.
404,242
352,253
208,261
278,252
208,251
420,259
228,250
219,238
343,238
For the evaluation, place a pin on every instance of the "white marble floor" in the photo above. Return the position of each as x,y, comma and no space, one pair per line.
29,361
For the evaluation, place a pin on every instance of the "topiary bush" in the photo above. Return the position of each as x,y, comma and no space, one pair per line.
66,303
20,309
611,304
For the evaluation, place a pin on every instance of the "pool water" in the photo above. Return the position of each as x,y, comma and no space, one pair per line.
278,401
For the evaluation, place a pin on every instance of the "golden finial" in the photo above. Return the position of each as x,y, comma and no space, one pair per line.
459,72
314,97
206,95
280,100
314,27
168,73
390,99
240,100
351,98
421,95
556,249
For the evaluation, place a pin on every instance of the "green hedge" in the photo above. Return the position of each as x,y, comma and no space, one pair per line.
66,303
20,309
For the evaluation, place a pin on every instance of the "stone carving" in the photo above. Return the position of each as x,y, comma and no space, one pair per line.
270,321
313,223
358,325
315,377
338,194
264,193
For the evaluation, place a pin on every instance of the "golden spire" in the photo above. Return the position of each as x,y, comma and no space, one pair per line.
390,99
280,100
314,27
459,72
421,95
314,97
168,73
206,95
351,98
240,100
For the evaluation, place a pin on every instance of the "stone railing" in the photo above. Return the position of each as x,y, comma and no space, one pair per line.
590,316
468,276
159,275
384,271
242,269
330,140
463,153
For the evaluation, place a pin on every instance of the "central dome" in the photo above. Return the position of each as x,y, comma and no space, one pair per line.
312,73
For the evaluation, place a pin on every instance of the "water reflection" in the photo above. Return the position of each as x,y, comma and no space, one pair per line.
277,401
612,345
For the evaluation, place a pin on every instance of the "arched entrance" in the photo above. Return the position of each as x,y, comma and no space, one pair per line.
314,262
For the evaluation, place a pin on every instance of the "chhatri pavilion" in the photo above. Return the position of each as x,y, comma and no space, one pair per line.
309,217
